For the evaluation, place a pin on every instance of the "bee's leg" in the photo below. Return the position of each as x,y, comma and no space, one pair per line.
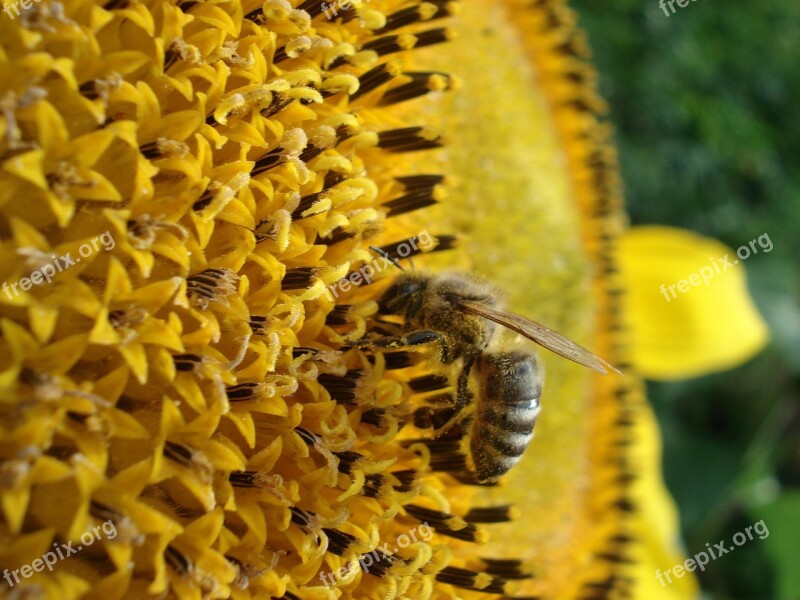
416,338
432,417
463,399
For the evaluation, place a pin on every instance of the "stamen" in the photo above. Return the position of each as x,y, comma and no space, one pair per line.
491,514
419,198
179,453
390,44
339,542
347,459
425,11
267,161
374,416
446,455
186,362
244,392
177,560
420,84
211,285
306,208
259,325
407,478
445,524
372,485
415,182
342,389
298,278
408,139
340,315
471,580
375,78
507,568
391,251
429,383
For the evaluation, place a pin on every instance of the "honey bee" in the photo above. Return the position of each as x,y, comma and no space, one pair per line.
460,312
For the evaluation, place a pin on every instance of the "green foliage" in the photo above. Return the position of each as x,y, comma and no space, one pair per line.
704,102
782,544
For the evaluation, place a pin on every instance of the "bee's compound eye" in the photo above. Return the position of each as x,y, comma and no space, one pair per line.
407,288
398,295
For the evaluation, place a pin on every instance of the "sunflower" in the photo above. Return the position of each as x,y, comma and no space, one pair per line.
189,195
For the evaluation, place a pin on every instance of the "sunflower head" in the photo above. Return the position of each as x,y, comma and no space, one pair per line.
208,387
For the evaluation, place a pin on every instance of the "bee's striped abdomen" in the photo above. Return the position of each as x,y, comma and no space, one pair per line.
506,412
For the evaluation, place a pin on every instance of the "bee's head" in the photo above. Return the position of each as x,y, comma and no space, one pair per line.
404,296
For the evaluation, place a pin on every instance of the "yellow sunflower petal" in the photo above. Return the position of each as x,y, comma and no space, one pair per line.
658,525
687,304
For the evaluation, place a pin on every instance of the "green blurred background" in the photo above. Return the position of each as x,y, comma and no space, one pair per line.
706,103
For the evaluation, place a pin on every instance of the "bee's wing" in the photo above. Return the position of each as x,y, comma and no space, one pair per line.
540,334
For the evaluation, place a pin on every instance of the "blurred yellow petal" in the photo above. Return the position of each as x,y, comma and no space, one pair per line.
657,526
687,304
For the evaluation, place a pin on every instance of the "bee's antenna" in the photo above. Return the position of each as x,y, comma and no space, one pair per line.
385,254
